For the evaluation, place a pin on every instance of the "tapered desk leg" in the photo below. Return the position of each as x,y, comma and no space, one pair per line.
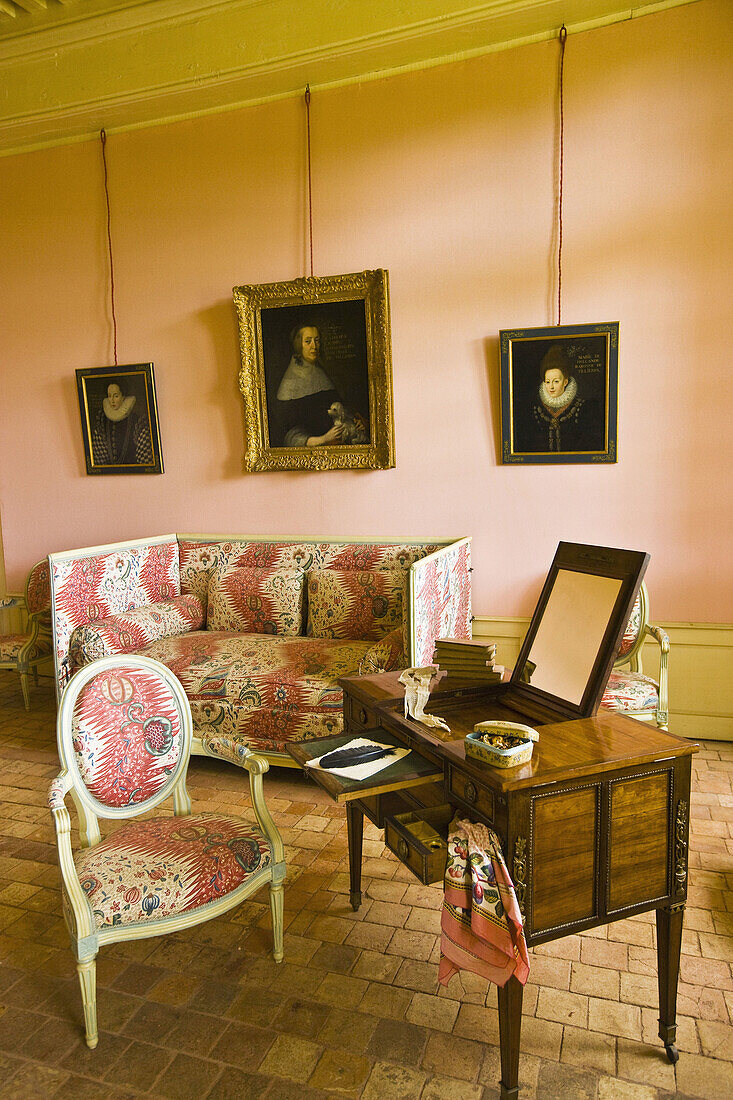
510,1025
355,831
669,943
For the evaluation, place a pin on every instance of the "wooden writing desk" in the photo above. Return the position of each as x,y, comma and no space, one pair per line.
593,829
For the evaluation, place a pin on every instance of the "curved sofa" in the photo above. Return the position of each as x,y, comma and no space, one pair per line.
259,630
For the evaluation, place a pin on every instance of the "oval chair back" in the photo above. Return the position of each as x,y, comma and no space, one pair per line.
124,736
629,652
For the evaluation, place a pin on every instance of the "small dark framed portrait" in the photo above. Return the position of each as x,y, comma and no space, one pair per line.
119,419
559,394
316,373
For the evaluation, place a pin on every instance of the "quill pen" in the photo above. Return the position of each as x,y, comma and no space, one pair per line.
349,758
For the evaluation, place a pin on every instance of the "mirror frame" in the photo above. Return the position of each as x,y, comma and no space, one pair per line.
628,566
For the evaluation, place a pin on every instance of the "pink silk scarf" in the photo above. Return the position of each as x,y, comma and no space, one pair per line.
482,928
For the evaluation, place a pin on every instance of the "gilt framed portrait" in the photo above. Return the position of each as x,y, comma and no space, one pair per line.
559,394
119,419
316,373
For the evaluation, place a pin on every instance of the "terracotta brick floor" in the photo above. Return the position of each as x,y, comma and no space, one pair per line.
354,1010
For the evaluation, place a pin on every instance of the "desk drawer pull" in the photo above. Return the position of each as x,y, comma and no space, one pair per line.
403,848
469,792
362,716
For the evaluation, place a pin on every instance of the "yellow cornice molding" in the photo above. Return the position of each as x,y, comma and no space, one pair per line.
125,65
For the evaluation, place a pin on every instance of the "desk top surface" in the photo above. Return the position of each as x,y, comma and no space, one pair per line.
565,750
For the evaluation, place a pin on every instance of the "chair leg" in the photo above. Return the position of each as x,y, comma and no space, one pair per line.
87,971
24,685
276,908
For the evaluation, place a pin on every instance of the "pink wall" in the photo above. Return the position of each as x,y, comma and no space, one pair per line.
445,178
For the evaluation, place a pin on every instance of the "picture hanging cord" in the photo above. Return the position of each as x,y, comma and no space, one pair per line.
563,38
310,189
103,139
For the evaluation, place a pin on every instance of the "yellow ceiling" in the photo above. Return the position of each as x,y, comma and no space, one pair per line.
69,67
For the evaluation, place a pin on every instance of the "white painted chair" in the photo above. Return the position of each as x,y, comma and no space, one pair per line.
629,690
124,738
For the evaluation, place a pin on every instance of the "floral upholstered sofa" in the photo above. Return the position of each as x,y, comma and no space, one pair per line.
259,630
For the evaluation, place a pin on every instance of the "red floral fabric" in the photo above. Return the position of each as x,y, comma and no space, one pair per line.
127,736
38,589
86,589
252,600
199,559
630,691
264,689
160,867
442,605
384,655
345,603
134,629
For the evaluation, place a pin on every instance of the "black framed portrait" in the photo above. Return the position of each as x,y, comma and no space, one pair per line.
559,393
119,419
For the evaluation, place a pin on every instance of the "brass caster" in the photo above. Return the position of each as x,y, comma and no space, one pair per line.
672,1053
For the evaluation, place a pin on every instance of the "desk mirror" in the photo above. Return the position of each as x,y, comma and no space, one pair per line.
578,624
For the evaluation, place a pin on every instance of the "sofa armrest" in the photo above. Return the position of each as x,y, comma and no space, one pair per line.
439,604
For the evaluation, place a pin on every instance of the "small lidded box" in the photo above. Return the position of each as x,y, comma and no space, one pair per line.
501,744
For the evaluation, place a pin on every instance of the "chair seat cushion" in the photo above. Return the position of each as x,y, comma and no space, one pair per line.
11,645
630,691
265,688
154,868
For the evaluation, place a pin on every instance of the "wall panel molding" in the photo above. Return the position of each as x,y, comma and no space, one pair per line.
700,671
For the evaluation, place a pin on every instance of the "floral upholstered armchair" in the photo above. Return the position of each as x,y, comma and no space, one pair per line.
22,653
124,739
629,690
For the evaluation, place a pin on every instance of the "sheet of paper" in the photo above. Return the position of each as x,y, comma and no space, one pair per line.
361,771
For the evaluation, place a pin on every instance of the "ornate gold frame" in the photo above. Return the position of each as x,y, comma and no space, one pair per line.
371,287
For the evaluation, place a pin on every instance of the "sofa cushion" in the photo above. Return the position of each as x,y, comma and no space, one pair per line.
259,690
256,600
351,603
134,629
384,655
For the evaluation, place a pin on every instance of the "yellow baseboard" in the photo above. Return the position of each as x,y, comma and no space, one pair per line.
700,671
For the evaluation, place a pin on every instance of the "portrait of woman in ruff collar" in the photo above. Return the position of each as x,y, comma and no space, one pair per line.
559,392
119,420
562,419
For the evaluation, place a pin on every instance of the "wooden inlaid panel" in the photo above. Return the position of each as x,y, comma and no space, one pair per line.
564,857
638,839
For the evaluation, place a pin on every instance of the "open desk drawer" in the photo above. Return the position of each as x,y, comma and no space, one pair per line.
420,840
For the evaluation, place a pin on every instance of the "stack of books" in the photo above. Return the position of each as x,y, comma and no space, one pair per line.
468,660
